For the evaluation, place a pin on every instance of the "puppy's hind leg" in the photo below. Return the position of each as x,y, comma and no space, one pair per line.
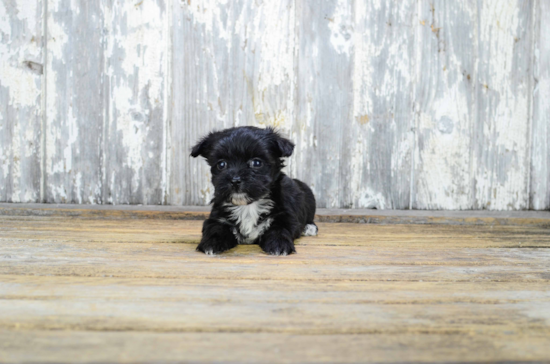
310,230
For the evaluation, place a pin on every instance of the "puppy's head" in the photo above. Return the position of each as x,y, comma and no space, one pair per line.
244,162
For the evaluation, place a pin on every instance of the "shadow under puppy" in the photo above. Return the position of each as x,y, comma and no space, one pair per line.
254,202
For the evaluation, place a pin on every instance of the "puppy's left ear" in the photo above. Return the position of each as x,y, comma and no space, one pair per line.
203,147
285,146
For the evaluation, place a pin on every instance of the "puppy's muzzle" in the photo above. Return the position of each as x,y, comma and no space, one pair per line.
236,181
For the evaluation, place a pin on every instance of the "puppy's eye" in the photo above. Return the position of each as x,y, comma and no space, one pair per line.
221,165
255,163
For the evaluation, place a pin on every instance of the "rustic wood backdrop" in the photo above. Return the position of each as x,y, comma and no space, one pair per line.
392,104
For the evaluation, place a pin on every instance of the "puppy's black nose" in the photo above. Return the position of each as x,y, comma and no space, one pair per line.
236,180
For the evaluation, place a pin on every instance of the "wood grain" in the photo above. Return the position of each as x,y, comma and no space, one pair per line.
501,132
21,71
95,304
134,141
122,230
324,94
75,102
377,144
75,289
540,158
233,65
418,105
445,105
57,346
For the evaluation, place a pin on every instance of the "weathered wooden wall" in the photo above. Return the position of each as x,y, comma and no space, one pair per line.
392,104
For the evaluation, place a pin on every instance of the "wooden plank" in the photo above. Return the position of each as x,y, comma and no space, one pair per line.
361,216
103,304
315,70
343,252
75,346
21,72
48,288
502,132
106,108
136,71
197,59
75,102
312,251
125,288
540,159
444,104
249,263
276,318
374,236
233,66
377,141
324,95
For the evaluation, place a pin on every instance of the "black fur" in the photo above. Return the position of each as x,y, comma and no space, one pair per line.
293,203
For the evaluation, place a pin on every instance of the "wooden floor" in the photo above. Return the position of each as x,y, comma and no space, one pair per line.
135,290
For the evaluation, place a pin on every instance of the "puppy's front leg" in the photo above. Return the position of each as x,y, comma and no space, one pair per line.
277,240
216,238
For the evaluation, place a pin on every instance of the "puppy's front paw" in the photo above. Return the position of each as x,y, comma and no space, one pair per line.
212,247
278,246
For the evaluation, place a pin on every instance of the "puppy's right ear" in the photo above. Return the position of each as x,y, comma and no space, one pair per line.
203,147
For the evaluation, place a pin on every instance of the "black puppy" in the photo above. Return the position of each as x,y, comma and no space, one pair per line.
254,202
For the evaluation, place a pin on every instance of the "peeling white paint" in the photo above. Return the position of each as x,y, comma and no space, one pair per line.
72,128
362,69
137,60
341,25
27,11
16,166
357,168
5,27
442,165
24,91
210,14
20,88
276,44
502,181
249,68
57,40
370,199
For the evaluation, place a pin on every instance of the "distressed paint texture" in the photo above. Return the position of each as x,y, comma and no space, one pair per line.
21,68
377,141
136,58
392,105
540,158
445,104
325,94
501,144
75,101
106,103
233,65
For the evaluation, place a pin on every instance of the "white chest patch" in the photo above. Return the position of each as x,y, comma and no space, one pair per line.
247,218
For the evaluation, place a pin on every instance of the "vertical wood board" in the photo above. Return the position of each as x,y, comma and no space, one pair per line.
324,98
502,131
540,157
75,101
21,69
136,62
392,105
377,142
233,65
445,104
